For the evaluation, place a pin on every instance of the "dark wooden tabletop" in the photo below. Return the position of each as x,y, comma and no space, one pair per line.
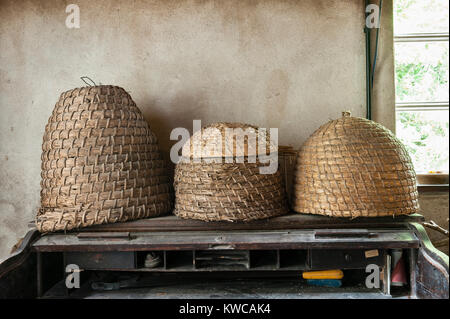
291,221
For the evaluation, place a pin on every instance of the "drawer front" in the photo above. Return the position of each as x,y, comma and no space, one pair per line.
102,260
344,259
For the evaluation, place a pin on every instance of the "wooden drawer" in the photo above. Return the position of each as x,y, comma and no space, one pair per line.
102,260
344,259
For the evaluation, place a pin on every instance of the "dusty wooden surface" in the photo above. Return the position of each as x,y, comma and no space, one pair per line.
291,221
294,239
228,288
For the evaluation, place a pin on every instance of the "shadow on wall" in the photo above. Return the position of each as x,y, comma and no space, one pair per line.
189,107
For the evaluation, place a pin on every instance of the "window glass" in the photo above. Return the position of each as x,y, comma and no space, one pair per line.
421,71
420,16
425,135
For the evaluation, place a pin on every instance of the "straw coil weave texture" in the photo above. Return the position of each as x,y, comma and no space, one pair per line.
229,189
354,167
100,162
217,141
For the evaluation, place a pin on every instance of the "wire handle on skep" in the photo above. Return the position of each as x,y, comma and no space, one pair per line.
83,78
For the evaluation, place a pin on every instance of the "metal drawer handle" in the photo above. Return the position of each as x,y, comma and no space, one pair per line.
221,246
346,233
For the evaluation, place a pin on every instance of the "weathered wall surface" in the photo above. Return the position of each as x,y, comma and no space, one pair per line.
272,63
286,64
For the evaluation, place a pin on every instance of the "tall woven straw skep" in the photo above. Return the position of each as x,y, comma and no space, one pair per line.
353,167
230,188
100,162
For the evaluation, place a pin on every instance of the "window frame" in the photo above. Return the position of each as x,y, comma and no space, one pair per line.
421,106
417,38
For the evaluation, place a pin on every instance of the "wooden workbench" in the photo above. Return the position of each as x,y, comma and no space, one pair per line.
280,246
290,221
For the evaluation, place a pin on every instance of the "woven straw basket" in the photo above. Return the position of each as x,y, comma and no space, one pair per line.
354,167
100,162
221,185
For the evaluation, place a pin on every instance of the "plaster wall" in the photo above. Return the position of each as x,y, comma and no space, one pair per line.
273,63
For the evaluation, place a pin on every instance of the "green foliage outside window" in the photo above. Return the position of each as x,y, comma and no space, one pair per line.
421,70
425,135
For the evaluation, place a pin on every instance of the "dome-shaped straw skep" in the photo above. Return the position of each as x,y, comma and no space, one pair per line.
220,178
100,162
354,167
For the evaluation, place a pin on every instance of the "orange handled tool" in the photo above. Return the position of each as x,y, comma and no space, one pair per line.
323,274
